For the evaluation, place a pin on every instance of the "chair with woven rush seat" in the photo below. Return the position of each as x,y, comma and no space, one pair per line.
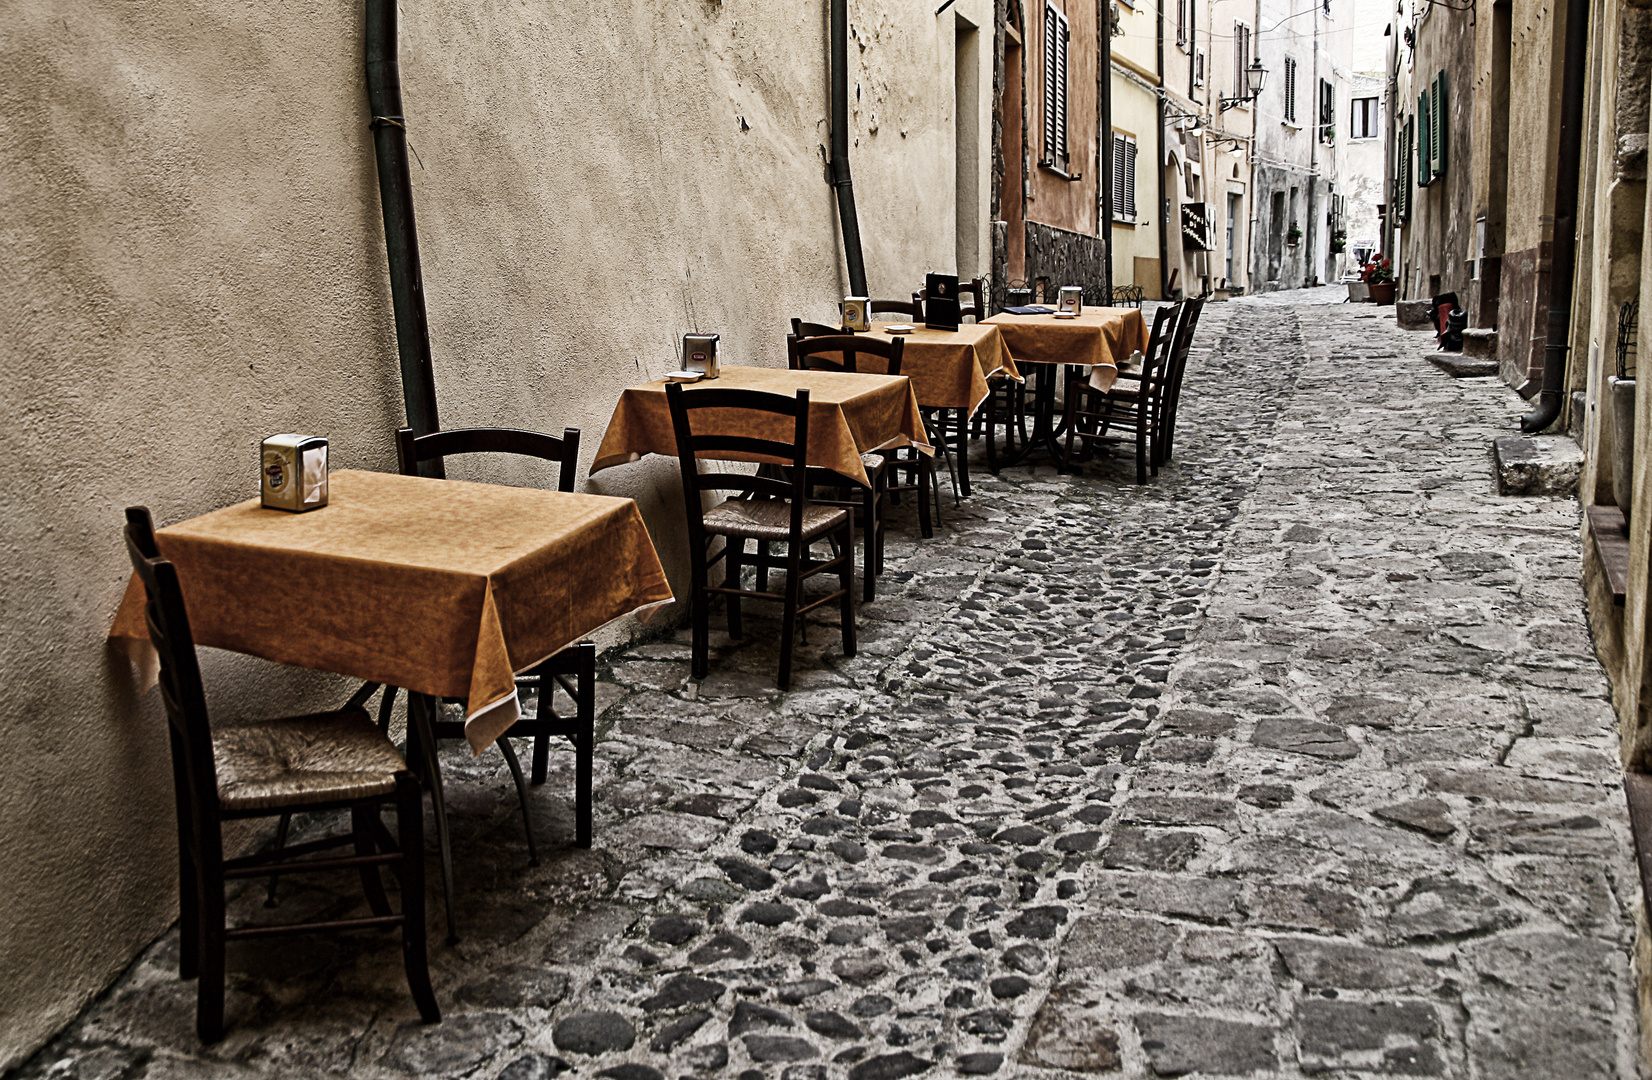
1173,386
305,764
843,352
910,310
573,669
768,510
1136,403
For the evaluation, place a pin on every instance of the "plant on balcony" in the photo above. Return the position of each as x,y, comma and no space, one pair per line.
1293,235
1339,241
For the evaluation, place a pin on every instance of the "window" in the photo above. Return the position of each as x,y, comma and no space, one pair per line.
1056,36
1437,126
1424,117
1198,67
1290,90
1364,125
1181,22
1241,59
1327,111
1124,177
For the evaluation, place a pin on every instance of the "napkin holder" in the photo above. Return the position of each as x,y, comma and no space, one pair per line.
700,354
294,473
941,301
857,314
1071,302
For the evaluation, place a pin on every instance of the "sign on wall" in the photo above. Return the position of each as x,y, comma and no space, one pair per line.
1197,231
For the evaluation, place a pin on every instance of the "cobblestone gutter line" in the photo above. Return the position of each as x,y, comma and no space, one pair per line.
1295,761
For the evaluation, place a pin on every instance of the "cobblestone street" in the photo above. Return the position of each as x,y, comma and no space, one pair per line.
1295,761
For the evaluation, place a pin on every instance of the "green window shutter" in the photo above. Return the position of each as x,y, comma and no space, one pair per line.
1407,137
1437,126
1424,141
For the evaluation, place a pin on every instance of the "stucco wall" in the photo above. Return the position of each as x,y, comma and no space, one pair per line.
194,260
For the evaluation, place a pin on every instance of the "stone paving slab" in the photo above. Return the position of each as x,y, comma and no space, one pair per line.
1294,762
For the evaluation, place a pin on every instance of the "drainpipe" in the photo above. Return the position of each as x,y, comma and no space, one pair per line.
1565,220
1104,145
840,148
401,238
1158,167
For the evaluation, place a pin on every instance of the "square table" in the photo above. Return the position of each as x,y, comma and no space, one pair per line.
1100,339
443,587
849,415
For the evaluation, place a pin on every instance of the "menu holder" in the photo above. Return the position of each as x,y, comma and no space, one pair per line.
941,301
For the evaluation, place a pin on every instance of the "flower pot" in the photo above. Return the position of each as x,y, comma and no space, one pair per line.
1358,292
1381,292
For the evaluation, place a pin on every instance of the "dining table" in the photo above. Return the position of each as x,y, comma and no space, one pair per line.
850,414
952,372
446,588
1098,340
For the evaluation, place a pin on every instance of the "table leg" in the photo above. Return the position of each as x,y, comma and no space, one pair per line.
963,452
419,730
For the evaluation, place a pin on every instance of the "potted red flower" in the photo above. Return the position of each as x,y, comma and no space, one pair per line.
1378,275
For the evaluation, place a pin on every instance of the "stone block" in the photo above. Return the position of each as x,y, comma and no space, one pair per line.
1413,315
1480,342
1462,366
1536,464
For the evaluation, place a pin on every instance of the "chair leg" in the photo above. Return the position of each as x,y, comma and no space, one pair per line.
700,651
189,898
846,584
1072,429
962,436
1141,444
762,566
794,588
871,541
420,707
585,742
515,766
361,824
281,828
992,430
732,558
209,987
541,747
410,872
386,704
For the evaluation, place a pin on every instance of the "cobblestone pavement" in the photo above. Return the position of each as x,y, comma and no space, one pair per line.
1295,761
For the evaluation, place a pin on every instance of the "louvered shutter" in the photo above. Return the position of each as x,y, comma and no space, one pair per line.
1118,176
1424,140
1405,165
1052,33
1061,96
1437,127
1130,178
1240,60
1290,90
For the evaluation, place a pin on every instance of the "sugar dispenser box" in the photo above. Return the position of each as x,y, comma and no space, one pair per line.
294,473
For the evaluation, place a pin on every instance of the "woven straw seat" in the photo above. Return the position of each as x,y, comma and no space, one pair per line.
304,760
771,519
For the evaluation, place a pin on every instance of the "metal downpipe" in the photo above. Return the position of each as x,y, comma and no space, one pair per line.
401,238
1568,160
839,59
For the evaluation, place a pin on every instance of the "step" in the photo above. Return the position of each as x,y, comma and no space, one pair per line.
1461,365
1480,343
1414,315
1611,548
1536,464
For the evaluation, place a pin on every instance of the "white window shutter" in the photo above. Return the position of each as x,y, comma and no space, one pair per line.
1061,100
1051,35
1130,178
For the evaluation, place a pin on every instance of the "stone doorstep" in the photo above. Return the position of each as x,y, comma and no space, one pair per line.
1414,315
1536,464
1480,343
1462,366
1637,787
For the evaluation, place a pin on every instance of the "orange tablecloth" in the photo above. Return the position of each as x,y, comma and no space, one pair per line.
439,586
1102,337
950,369
848,416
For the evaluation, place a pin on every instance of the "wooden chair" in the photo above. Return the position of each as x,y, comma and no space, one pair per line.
814,329
1173,387
911,311
843,352
573,669
1135,403
769,510
308,764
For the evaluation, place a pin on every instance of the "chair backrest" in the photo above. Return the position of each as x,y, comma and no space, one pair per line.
911,310
1180,346
1165,323
410,451
1127,296
194,771
813,329
842,352
717,446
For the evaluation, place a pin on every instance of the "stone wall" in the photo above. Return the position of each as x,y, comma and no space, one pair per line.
1056,257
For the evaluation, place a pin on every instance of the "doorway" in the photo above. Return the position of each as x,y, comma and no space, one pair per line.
1012,195
966,128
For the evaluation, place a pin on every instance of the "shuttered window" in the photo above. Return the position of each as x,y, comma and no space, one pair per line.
1437,126
1425,142
1181,22
1241,59
1056,37
1290,90
1124,177
1327,110
1198,67
1402,171
1364,118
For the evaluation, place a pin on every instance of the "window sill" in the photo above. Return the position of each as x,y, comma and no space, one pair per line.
1289,125
1125,223
1069,177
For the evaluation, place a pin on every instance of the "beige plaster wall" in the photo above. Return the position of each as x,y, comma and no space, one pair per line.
193,259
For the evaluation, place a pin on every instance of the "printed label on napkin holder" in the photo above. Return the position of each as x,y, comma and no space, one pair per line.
293,473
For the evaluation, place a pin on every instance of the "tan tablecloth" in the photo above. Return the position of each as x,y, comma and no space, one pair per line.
848,416
950,369
1102,337
439,586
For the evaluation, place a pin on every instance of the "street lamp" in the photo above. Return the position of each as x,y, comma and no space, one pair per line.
1255,76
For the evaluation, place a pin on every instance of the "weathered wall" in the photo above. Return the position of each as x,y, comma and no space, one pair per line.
1057,200
1056,257
194,260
